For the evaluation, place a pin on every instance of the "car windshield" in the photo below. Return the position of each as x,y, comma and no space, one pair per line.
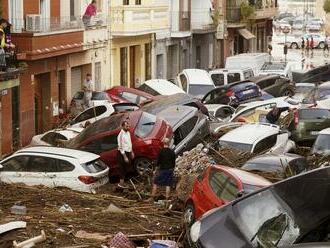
94,166
322,145
236,145
200,89
145,125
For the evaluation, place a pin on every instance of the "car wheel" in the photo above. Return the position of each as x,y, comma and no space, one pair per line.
189,215
143,166
287,92
321,45
294,45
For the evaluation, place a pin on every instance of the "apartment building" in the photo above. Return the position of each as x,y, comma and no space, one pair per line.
59,50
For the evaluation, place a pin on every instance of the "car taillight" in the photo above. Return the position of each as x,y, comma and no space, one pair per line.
230,93
87,179
296,118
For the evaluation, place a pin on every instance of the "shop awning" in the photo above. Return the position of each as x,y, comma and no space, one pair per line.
246,34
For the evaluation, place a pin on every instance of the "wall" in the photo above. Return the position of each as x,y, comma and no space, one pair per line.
4,6
31,7
6,124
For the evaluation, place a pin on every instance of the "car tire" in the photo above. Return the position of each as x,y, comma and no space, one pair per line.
287,92
294,45
143,166
189,215
321,45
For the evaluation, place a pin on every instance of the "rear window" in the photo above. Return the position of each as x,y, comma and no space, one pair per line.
147,89
310,114
145,125
52,138
233,77
94,166
237,146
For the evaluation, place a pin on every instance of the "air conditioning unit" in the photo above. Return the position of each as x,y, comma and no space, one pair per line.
33,23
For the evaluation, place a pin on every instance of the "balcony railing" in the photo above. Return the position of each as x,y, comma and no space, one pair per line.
233,14
8,66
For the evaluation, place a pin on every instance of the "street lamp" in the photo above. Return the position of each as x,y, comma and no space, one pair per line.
286,30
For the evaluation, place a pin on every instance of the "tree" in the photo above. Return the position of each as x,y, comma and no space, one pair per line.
246,11
326,6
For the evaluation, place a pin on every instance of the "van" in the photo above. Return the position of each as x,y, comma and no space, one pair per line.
195,82
222,77
251,60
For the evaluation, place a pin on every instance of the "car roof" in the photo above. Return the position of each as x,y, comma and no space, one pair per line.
325,131
198,76
250,133
325,85
81,156
130,90
271,158
163,86
175,114
246,177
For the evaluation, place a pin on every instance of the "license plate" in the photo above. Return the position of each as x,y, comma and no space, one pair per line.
315,132
248,92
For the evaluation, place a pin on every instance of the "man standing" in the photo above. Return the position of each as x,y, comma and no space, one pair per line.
164,169
125,152
307,46
302,45
90,11
312,46
88,90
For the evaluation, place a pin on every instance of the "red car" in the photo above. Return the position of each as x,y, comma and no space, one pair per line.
124,94
147,132
218,186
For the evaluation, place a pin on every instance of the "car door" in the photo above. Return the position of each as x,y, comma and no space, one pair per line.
14,169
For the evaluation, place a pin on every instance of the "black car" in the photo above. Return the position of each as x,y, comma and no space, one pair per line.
233,94
275,85
292,212
319,74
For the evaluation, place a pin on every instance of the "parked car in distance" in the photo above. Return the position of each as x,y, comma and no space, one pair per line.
322,143
287,164
190,126
313,26
218,186
178,99
258,138
77,104
195,82
121,94
247,60
308,122
55,167
295,42
275,85
279,209
55,137
158,87
298,25
220,112
222,77
147,133
93,114
233,94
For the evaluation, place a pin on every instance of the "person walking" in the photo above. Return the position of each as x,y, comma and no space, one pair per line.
326,47
312,46
307,46
88,90
90,11
164,172
125,152
302,45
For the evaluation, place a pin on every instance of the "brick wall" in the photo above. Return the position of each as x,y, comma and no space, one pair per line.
4,8
6,123
31,7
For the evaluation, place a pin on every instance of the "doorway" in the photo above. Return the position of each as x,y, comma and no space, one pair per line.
132,66
15,117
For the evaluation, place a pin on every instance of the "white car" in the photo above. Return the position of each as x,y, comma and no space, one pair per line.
220,111
247,60
55,167
279,68
258,138
222,77
162,87
322,143
55,136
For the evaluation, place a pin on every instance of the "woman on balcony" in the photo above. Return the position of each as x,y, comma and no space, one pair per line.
90,11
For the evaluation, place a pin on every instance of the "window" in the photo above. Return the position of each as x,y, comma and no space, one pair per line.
266,83
95,166
41,164
265,144
184,82
223,186
310,114
137,2
125,2
52,138
130,97
233,77
223,113
145,125
17,163
248,74
101,145
64,166
90,113
188,126
147,89
218,79
123,65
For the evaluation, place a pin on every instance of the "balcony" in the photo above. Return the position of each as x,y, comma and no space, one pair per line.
233,14
180,23
9,73
201,20
96,33
264,9
131,20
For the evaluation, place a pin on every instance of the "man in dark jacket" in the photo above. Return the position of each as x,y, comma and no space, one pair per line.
273,115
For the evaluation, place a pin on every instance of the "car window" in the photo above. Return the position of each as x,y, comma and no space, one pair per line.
310,114
184,82
99,96
223,112
17,163
236,145
178,136
124,108
223,186
149,90
64,166
90,113
130,97
265,144
188,126
146,125
266,83
218,79
41,164
233,77
52,138
104,144
94,166
248,74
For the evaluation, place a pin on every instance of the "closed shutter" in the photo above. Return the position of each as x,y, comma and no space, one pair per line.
76,82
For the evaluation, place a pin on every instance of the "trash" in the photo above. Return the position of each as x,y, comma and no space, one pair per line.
137,192
113,209
120,241
17,209
30,242
94,236
163,244
65,208
12,226
60,229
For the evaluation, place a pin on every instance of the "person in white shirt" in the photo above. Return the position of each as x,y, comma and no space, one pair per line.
125,152
88,90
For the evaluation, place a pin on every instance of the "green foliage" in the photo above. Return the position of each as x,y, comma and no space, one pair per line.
246,11
326,6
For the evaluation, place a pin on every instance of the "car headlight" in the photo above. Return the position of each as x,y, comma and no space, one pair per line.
194,231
